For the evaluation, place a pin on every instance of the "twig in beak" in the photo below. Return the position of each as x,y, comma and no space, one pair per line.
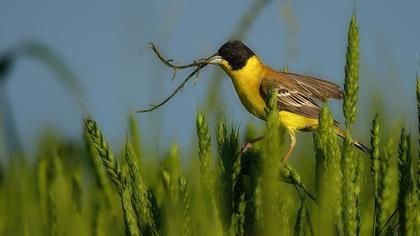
180,87
199,64
173,66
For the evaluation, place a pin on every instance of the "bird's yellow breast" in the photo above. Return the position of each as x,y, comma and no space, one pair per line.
247,84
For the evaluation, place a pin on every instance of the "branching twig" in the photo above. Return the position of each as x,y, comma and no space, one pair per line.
154,107
199,64
169,62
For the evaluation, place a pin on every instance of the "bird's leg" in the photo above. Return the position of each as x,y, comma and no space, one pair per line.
249,143
291,146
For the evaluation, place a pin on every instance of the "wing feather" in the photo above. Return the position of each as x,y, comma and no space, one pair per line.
299,94
317,88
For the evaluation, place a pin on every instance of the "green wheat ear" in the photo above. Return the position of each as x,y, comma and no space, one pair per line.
118,173
328,173
228,169
177,199
406,194
350,189
374,142
206,174
55,172
171,171
126,195
140,200
349,162
272,140
238,217
351,84
387,184
204,150
271,112
104,150
101,177
273,200
374,168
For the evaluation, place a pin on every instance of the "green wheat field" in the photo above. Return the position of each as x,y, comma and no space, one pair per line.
89,188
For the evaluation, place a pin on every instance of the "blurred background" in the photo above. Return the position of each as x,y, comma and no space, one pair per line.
69,59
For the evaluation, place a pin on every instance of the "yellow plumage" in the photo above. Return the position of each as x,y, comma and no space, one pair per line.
247,82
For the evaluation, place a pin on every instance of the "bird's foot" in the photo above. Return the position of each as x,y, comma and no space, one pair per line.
246,147
249,144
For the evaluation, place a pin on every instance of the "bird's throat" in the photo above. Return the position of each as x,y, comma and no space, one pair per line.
246,81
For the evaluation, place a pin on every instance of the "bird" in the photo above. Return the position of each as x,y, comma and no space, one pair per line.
298,96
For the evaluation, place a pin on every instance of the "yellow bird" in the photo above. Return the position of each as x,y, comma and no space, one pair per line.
298,95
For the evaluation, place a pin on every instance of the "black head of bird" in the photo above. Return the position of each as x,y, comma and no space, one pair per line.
234,53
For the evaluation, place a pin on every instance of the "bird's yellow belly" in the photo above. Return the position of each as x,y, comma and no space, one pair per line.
293,121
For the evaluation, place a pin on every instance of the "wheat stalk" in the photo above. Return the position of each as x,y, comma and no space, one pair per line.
328,173
375,169
405,197
140,201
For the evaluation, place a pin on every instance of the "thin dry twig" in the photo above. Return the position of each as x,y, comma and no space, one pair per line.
199,64
155,106
169,62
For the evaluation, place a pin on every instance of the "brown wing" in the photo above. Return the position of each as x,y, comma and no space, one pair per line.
299,94
314,87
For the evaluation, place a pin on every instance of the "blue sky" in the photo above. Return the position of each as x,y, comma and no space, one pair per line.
101,41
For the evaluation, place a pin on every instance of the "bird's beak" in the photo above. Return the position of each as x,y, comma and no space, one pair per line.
215,60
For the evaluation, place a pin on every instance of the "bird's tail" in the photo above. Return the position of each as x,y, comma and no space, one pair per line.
340,132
